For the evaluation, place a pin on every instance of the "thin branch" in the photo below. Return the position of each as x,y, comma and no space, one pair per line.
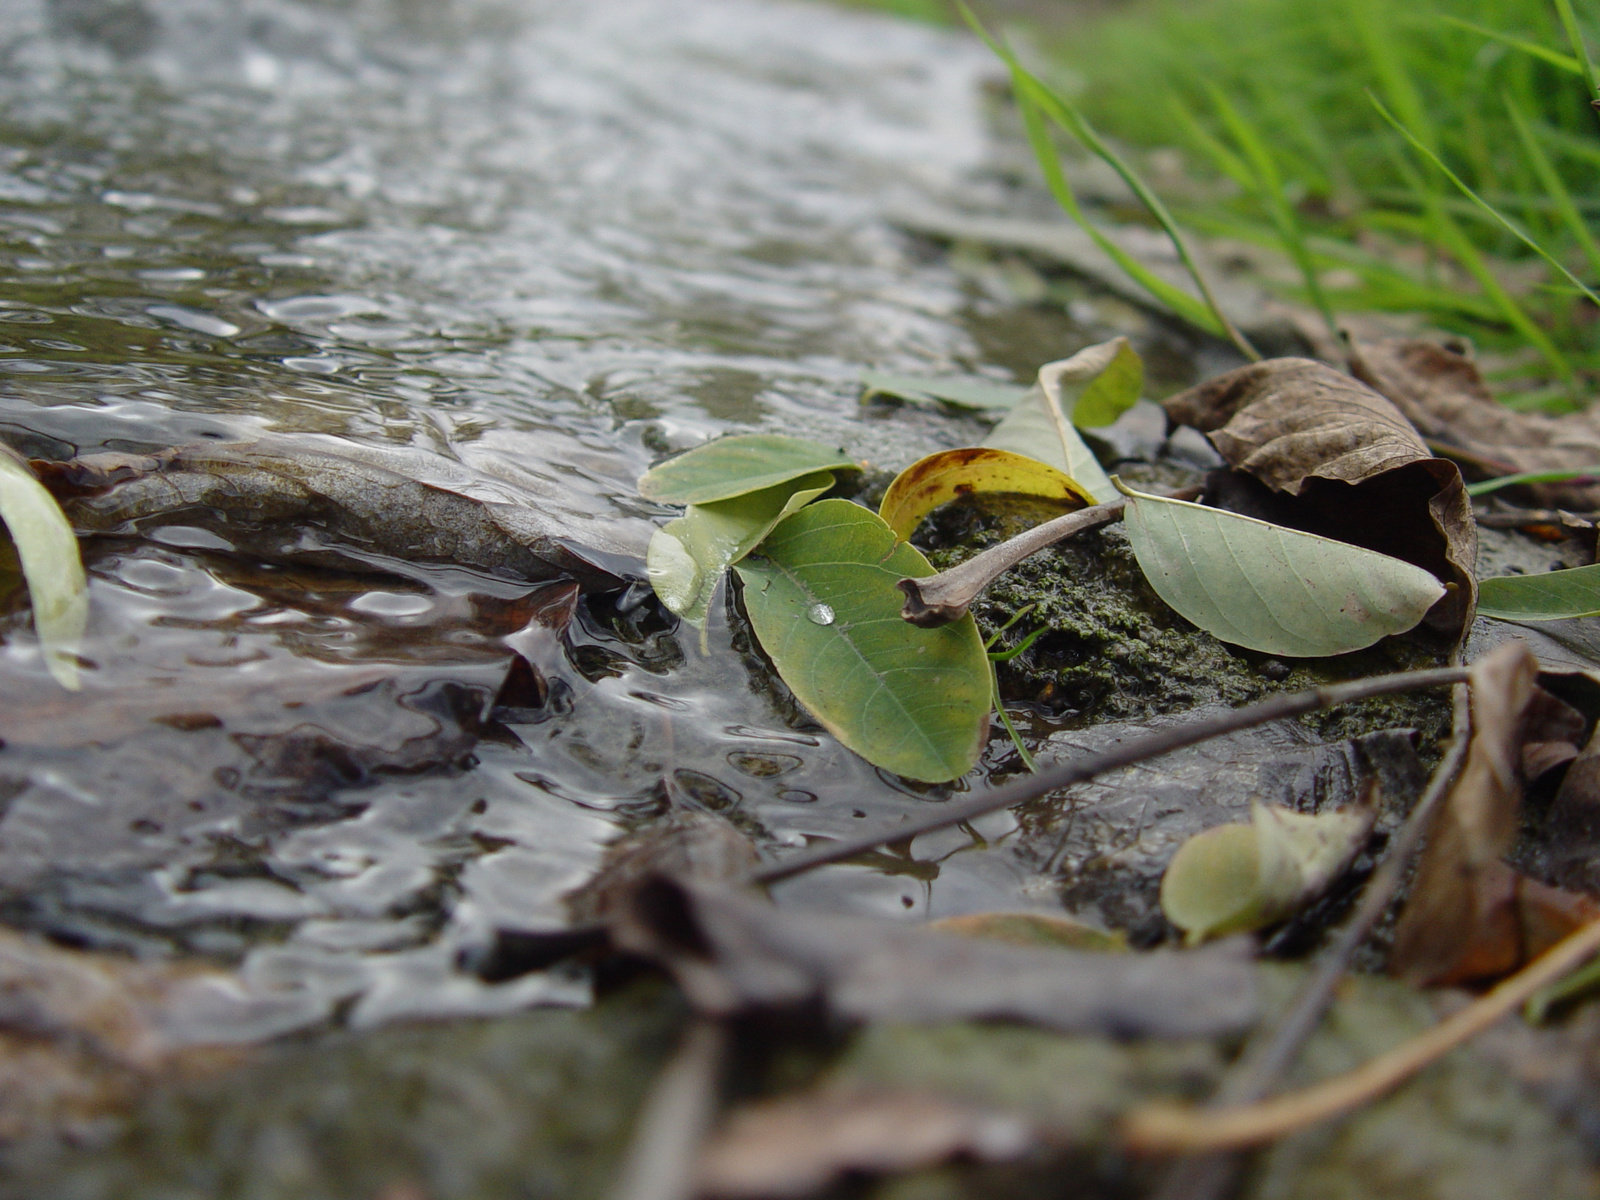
1174,1128
1266,1060
664,1156
1054,777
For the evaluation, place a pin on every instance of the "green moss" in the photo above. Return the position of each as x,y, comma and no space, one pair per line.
1113,649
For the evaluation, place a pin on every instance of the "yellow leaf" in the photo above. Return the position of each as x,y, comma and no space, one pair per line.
951,474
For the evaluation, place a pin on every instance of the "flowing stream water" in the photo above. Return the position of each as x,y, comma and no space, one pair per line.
527,248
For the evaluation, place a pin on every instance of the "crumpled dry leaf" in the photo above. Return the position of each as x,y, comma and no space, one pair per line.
731,952
288,501
1470,916
796,1145
1344,463
1440,391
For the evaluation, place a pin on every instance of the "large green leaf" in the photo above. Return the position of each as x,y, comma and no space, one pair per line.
1270,588
48,550
1102,381
1548,597
688,556
821,596
737,465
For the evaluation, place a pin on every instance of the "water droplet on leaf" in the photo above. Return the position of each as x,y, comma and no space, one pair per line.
822,614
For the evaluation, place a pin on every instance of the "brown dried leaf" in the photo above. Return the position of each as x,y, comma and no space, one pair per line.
730,951
1344,463
1440,390
1461,919
796,1145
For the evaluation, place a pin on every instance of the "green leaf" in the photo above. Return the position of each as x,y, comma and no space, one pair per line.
48,550
737,465
1270,588
688,556
950,474
1103,379
1110,393
963,391
1549,597
1241,877
822,599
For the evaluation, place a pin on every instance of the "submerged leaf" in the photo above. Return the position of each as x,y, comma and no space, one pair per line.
688,556
950,474
1548,597
735,466
50,563
963,391
1235,878
1270,588
1093,387
822,599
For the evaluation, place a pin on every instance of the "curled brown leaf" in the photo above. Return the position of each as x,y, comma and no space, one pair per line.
1334,458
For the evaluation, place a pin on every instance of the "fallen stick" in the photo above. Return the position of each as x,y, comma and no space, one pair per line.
1055,776
1176,1129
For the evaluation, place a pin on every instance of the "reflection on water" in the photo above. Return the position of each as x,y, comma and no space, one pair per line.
534,245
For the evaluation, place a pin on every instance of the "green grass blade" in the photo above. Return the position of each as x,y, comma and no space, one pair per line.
1269,191
1569,22
1562,62
1038,100
1555,188
1175,298
1483,205
1504,481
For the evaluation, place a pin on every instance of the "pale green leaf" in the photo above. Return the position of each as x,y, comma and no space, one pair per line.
687,557
1270,588
737,465
1241,877
1551,596
821,597
1111,392
48,550
1107,376
963,391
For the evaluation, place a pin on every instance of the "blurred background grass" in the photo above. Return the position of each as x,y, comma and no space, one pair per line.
1269,103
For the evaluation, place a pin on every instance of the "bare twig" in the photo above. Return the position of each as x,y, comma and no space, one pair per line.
1174,1128
663,1158
945,597
1054,777
1264,1062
